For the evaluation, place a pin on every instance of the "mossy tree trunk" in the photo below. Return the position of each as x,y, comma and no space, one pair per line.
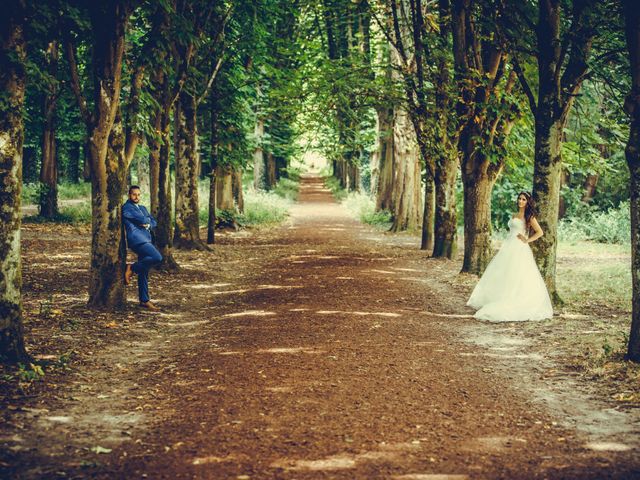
12,88
187,226
384,197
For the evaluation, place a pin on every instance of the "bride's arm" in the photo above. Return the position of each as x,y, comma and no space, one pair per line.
537,230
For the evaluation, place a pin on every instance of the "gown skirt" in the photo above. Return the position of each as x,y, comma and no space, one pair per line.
511,288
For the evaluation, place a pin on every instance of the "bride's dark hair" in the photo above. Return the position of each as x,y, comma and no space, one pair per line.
530,210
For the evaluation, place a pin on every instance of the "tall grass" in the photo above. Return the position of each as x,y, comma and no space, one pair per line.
363,207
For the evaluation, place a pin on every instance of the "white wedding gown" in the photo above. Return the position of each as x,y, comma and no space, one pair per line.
511,288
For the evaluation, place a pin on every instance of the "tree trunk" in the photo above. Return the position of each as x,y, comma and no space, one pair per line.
12,84
547,177
446,228
107,247
428,218
446,225
477,221
49,163
259,177
407,191
187,227
164,230
281,167
224,189
211,221
590,185
107,157
384,196
73,167
354,177
238,195
270,174
632,152
143,174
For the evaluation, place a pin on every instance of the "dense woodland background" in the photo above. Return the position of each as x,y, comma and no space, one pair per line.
439,111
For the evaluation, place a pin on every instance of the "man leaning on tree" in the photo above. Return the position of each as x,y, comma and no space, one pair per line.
139,224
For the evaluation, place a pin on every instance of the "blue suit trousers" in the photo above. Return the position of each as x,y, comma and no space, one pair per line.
148,257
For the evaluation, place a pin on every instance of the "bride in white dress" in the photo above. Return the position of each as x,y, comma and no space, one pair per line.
511,288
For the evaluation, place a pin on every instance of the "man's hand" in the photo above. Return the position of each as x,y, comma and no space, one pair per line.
146,226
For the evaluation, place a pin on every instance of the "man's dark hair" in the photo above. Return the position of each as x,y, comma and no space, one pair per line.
132,188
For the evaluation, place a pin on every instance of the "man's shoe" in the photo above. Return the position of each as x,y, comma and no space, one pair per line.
128,273
149,306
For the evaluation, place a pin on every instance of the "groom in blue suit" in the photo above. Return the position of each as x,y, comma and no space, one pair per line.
138,224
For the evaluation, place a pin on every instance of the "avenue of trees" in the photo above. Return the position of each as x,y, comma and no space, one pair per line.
428,106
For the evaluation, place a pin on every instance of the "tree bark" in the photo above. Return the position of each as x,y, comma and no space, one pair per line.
259,179
407,191
73,168
49,164
238,195
211,220
187,227
224,189
107,156
12,84
632,152
477,221
354,177
142,174
428,217
446,225
270,174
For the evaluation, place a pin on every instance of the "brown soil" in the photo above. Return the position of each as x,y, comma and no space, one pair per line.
321,349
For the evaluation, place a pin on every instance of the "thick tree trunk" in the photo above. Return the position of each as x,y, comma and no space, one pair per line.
407,191
428,218
12,84
632,152
107,156
224,189
187,227
547,177
238,195
477,221
107,246
49,164
446,228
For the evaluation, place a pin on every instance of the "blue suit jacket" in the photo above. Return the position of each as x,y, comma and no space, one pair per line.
134,217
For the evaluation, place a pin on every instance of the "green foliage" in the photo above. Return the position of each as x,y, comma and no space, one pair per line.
333,185
29,373
612,226
264,209
363,207
287,188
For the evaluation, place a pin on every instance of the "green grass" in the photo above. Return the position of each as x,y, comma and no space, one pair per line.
591,273
333,184
363,207
66,191
72,215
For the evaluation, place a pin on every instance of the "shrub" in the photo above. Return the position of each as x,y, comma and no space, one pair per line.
612,226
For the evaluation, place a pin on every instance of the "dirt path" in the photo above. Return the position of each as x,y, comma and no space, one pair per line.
318,350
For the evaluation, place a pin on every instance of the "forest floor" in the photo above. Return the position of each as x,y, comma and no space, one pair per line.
320,349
